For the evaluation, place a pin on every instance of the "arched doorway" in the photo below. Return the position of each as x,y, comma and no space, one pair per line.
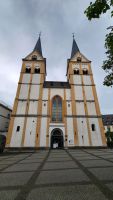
57,140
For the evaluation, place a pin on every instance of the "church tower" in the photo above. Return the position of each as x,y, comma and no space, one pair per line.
87,119
56,114
24,129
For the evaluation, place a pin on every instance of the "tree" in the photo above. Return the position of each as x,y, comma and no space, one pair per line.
109,137
95,10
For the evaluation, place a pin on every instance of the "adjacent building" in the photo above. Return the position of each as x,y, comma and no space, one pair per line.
56,114
108,122
5,112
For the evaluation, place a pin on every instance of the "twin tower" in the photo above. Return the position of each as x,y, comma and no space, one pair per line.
56,114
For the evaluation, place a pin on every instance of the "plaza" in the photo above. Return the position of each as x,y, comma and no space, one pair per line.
67,174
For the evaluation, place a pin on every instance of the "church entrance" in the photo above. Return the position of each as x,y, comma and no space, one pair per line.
57,140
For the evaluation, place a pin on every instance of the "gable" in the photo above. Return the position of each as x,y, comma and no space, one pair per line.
79,54
34,53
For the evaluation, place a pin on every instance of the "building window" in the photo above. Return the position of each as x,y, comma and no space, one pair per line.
18,129
78,59
93,127
76,71
8,115
28,70
34,57
85,71
57,109
37,70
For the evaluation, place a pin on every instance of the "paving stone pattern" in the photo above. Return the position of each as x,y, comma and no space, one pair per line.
69,174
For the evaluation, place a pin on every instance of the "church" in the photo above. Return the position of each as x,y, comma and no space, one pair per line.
55,114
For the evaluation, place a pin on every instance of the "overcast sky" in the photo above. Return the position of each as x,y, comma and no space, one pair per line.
20,23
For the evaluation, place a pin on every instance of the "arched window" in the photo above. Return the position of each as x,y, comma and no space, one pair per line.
57,109
78,59
28,70
37,70
34,57
85,71
76,71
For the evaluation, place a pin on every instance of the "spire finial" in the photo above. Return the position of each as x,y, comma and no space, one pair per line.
40,34
73,35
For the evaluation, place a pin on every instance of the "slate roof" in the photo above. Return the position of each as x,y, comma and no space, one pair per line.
75,48
107,120
3,104
56,84
38,46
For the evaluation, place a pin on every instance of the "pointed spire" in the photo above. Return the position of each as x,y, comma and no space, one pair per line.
38,46
75,48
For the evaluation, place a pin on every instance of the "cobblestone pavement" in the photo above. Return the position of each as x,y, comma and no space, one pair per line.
72,174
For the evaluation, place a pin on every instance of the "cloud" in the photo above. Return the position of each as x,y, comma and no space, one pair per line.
22,20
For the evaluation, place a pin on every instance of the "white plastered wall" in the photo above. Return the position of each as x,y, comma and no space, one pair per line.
21,107
45,94
77,79
85,66
69,108
95,135
88,93
43,132
82,132
80,108
44,107
30,132
75,66
24,91
17,136
70,131
26,78
36,78
33,108
86,80
78,92
45,101
55,91
91,108
69,121
28,64
68,94
34,93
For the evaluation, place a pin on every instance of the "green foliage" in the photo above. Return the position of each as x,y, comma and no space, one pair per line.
109,137
108,64
94,11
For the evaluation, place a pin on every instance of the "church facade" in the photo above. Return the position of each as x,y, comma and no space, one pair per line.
56,114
